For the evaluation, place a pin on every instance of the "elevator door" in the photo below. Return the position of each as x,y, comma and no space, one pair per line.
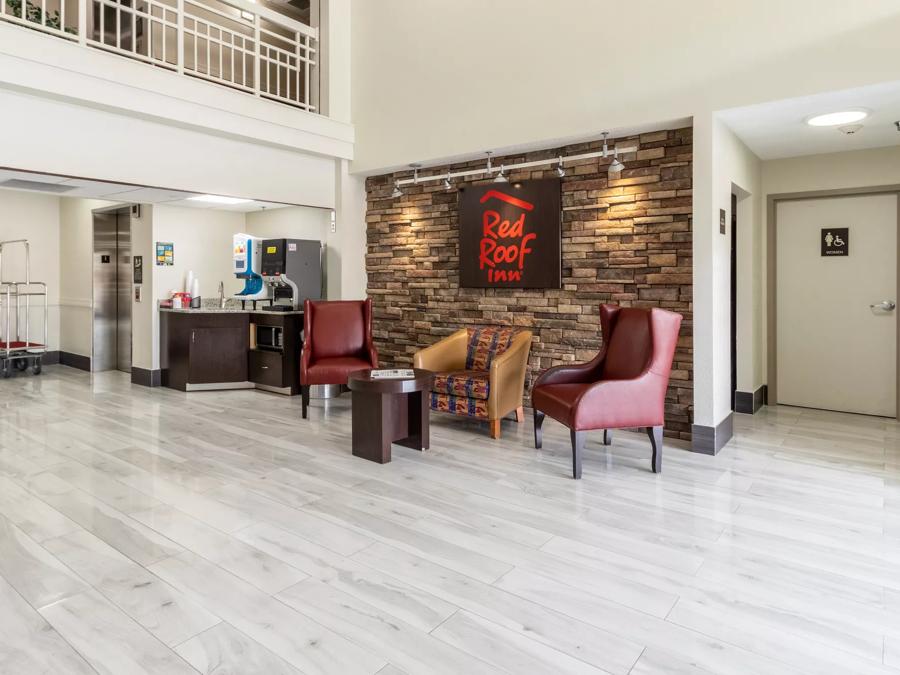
112,291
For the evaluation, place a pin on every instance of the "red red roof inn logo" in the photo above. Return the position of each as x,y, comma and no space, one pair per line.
509,235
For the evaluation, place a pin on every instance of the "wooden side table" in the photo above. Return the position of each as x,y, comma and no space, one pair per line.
389,411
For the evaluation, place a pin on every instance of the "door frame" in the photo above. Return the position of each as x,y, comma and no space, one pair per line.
772,202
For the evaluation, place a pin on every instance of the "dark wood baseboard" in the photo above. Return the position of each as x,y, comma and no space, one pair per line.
709,440
50,358
749,403
75,361
145,377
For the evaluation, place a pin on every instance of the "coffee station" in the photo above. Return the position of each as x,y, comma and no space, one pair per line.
253,339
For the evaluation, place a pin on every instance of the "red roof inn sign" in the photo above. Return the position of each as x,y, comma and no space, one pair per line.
509,235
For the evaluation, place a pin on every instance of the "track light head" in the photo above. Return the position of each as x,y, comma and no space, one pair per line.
560,171
415,168
397,191
616,166
605,146
501,177
448,186
490,169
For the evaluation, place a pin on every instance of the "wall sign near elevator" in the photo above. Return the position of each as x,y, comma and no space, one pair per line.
835,241
510,235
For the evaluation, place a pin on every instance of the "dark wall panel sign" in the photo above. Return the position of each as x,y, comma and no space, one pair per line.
721,221
510,235
835,241
138,262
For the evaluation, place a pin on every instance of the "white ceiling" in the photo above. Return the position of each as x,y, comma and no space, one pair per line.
123,192
778,129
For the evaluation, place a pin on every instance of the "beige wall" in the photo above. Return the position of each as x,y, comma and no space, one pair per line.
435,79
203,243
33,216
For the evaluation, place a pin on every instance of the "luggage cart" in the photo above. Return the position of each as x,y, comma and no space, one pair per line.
20,303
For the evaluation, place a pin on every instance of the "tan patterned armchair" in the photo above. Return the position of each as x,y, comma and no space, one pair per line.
479,373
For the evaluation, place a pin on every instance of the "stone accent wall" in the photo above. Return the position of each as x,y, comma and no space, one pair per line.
625,240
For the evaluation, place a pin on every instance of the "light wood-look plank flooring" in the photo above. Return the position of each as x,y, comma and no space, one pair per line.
150,531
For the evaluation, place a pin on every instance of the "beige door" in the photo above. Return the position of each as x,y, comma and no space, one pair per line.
836,351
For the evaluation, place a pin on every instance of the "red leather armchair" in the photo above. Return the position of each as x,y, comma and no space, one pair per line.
337,339
624,386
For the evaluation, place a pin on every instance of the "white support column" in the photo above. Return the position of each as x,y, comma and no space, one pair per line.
346,253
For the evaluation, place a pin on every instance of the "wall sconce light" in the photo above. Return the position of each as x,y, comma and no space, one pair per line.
501,177
560,171
397,191
448,186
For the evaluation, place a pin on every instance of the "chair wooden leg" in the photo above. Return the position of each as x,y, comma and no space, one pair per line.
607,437
304,395
495,429
656,440
520,414
577,447
538,435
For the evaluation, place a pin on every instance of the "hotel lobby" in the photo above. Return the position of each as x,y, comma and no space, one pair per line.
341,336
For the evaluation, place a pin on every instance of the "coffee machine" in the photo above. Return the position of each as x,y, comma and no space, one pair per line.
292,270
247,263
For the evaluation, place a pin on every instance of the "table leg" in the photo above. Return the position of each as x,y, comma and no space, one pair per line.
418,416
372,415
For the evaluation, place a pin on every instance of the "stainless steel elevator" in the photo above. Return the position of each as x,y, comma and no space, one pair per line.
112,290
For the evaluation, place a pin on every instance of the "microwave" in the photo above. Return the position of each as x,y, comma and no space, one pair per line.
270,338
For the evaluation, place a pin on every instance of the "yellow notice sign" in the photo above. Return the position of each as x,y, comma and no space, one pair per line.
271,249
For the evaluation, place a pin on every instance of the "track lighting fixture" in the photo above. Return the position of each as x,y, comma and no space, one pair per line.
490,169
555,164
616,166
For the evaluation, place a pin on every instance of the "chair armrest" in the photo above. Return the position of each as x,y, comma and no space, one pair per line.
444,355
616,404
575,373
508,376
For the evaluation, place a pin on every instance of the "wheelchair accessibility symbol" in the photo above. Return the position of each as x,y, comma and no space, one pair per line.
835,241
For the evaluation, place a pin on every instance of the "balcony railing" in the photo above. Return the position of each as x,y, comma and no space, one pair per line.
234,43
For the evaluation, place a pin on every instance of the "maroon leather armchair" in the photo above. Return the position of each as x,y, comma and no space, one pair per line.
337,339
623,387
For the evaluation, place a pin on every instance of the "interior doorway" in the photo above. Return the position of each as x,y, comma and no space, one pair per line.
112,275
836,287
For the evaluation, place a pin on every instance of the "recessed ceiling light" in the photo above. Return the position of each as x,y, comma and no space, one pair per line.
217,199
834,119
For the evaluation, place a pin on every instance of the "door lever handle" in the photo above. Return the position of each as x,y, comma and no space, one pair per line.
886,305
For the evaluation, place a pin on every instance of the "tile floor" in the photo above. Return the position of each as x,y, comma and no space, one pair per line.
149,531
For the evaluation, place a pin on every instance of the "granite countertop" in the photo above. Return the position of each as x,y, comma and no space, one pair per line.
229,310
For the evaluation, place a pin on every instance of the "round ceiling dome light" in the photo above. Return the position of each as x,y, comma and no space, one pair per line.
834,119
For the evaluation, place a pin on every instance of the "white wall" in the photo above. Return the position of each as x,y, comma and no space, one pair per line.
292,222
35,217
435,79
347,278
203,244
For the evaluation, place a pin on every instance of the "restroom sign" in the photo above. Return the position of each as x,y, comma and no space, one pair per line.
835,241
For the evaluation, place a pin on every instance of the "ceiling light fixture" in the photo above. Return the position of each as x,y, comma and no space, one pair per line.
834,119
397,191
501,177
560,171
217,199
